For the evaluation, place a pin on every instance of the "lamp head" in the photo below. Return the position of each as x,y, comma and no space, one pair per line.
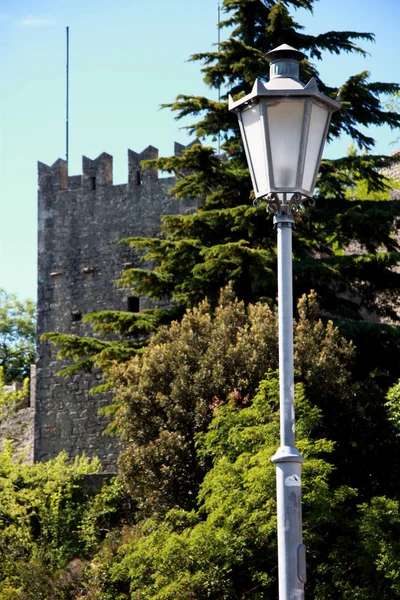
284,126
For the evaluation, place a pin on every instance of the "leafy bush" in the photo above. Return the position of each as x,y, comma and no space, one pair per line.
49,524
167,394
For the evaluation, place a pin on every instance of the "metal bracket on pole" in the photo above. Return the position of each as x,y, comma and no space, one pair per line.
284,218
287,454
284,210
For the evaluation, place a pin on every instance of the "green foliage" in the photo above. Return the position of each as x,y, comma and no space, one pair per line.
323,358
227,548
344,250
393,407
198,411
202,252
364,176
41,508
254,29
355,177
380,535
167,395
227,240
363,190
368,556
17,336
11,399
88,353
49,525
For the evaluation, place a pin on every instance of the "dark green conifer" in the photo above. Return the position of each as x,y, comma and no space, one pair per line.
343,249
228,239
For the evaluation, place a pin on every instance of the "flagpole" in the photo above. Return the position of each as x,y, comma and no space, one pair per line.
67,102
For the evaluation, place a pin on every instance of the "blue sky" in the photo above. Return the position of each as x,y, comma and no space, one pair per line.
126,58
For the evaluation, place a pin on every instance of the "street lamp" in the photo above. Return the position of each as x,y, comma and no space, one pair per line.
284,125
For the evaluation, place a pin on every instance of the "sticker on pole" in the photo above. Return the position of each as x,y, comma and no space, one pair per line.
293,480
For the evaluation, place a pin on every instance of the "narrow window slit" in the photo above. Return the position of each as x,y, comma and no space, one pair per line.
133,303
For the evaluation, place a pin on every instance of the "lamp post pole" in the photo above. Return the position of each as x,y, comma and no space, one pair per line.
291,553
284,125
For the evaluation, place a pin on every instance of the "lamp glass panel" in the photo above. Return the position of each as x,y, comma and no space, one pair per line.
253,128
285,123
318,120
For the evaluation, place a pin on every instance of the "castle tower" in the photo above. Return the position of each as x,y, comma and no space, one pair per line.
81,219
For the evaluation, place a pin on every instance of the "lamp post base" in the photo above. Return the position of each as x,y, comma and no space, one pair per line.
291,550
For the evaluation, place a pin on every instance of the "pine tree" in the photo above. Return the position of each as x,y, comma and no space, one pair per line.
345,250
230,240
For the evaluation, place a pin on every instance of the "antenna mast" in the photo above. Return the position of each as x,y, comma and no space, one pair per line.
67,102
219,86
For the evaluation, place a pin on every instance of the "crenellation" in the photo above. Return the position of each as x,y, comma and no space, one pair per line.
179,149
54,177
136,175
97,173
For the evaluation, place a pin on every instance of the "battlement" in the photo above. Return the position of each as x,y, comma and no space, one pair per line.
98,173
55,175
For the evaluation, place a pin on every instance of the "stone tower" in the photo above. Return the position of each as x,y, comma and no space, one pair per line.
81,219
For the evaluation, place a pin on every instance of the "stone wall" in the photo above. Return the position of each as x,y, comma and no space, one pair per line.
17,422
80,221
16,425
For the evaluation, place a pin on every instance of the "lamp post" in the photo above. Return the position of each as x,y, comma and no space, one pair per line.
284,125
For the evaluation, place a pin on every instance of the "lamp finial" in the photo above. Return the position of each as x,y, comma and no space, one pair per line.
284,62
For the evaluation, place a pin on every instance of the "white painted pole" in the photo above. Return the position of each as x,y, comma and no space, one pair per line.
291,552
